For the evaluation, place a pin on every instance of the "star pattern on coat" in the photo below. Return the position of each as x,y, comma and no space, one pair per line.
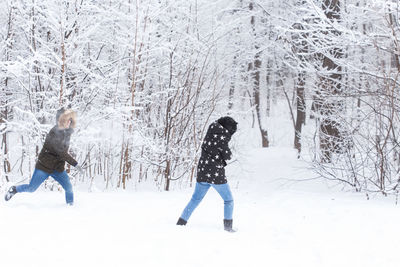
215,153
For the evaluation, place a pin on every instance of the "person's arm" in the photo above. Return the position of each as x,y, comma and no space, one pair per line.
223,148
225,152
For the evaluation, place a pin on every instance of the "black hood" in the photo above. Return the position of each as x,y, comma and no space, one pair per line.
228,123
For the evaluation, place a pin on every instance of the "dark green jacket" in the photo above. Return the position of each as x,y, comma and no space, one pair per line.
54,153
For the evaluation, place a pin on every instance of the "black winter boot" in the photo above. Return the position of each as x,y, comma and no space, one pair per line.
228,226
181,222
10,193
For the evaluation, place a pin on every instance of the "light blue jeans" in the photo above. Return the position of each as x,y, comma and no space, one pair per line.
38,178
201,190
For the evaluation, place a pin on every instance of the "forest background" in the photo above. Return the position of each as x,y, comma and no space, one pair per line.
147,77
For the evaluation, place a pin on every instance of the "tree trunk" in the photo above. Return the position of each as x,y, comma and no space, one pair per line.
232,86
301,110
4,144
62,78
327,106
4,115
268,82
255,74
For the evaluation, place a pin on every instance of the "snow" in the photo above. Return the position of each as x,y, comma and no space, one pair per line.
282,220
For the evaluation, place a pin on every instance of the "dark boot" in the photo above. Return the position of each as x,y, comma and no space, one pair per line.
228,226
181,222
10,193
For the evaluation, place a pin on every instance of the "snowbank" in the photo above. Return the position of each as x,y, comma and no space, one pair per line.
281,222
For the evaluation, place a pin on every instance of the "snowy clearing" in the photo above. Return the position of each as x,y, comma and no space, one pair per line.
280,223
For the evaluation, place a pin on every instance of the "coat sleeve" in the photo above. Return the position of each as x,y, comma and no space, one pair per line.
56,146
224,149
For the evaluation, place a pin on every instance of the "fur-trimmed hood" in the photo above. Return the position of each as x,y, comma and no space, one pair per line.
63,115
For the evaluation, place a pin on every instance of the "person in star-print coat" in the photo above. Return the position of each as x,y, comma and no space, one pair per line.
214,154
211,169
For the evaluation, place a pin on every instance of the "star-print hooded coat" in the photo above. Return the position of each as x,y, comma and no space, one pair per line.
215,152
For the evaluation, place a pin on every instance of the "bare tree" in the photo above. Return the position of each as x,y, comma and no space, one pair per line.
254,68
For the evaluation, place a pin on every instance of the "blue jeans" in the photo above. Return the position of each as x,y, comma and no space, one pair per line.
201,190
38,178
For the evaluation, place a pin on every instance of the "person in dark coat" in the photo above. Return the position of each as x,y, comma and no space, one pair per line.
52,158
211,169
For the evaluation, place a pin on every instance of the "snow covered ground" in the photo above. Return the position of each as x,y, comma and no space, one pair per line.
280,221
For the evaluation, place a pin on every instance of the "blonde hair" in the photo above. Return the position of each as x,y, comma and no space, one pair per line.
68,114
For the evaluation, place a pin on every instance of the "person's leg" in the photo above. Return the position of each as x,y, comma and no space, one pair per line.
225,192
198,195
63,179
38,178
